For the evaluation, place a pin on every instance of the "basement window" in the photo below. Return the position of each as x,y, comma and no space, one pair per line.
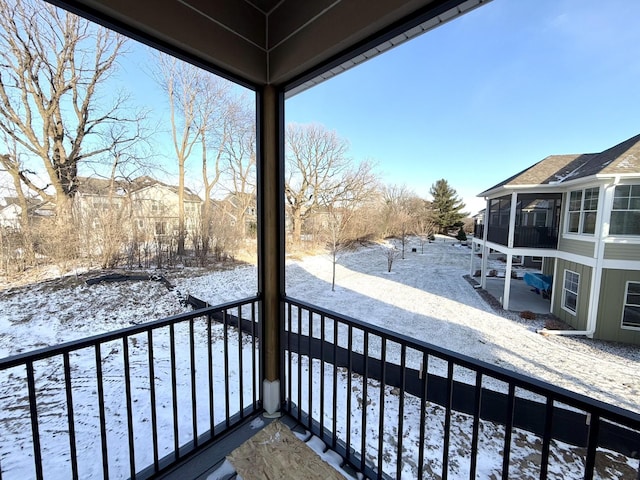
631,309
570,287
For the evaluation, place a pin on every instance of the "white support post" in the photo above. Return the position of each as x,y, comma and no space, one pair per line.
507,283
512,219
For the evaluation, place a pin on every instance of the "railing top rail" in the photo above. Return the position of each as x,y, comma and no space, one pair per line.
46,352
531,384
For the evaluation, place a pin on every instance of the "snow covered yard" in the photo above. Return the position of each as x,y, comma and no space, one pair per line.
424,297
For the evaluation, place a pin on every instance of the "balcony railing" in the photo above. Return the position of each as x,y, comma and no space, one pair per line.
130,403
395,407
135,402
524,236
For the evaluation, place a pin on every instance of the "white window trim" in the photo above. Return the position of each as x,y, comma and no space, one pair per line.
564,291
579,235
624,303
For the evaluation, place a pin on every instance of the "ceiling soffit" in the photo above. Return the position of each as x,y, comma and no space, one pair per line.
293,43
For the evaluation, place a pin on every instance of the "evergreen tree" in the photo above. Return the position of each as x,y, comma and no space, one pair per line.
446,206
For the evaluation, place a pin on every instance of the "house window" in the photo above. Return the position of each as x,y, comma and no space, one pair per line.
570,291
583,211
631,310
161,228
625,215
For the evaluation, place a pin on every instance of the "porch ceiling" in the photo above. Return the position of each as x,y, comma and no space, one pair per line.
291,43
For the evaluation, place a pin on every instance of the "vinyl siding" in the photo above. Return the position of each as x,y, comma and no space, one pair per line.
609,323
547,265
578,247
622,251
579,320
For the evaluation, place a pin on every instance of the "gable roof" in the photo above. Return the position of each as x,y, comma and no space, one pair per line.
623,158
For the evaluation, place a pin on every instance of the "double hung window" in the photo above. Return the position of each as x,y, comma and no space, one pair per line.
583,211
625,214
570,291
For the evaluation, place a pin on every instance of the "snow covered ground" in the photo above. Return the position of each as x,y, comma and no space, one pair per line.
424,297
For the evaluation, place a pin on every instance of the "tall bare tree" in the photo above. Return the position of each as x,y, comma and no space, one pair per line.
53,66
184,85
316,161
340,205
241,160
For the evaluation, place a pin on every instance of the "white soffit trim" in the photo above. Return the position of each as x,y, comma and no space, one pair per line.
394,42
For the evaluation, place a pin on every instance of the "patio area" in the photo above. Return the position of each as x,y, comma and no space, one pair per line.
522,296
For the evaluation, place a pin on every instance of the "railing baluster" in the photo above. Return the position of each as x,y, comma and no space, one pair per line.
322,325
35,429
192,363
403,381
152,395
225,326
103,427
310,379
240,365
127,394
546,439
289,360
423,413
174,392
477,405
253,355
507,432
383,369
211,389
299,376
73,455
365,396
334,434
447,422
592,446
349,388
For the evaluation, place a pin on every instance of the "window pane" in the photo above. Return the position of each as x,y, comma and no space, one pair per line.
620,203
634,203
625,223
622,191
634,289
591,199
575,201
574,221
589,223
570,301
635,190
631,317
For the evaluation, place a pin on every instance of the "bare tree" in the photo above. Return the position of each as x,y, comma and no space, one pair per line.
185,86
53,67
401,207
316,162
341,205
241,160
391,253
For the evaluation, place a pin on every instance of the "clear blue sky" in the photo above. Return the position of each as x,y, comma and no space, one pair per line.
489,94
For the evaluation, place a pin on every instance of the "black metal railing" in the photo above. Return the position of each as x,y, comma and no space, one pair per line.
524,236
395,407
129,403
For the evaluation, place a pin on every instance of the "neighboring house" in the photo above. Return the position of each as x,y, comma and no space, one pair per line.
154,207
150,206
11,211
579,216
